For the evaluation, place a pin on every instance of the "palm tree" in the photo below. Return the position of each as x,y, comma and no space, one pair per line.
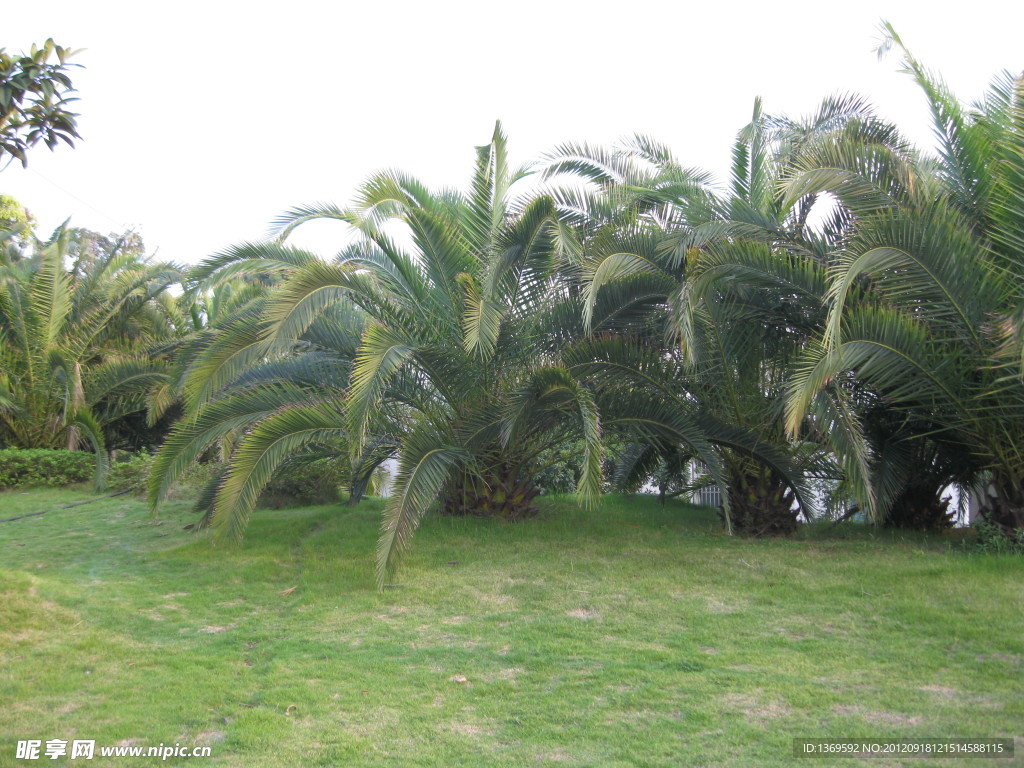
924,299
76,355
457,369
735,281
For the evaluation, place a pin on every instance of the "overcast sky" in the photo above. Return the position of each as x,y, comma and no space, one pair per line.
203,121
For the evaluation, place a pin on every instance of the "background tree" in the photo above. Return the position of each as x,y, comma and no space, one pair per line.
924,300
726,287
80,316
35,95
13,215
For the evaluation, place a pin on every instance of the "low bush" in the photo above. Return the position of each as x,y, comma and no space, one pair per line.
996,540
44,467
130,472
306,481
560,467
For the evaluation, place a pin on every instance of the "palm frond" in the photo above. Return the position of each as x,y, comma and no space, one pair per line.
427,459
269,444
192,436
82,419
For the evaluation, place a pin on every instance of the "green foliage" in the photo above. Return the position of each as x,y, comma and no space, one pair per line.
495,344
446,354
35,95
85,321
13,214
996,540
710,297
130,472
307,481
42,467
923,331
560,469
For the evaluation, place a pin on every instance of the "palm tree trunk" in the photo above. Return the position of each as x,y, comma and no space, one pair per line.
1004,506
501,493
77,401
922,508
761,504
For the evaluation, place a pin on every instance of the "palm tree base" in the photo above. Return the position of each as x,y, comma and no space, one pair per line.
762,505
502,495
921,509
1008,515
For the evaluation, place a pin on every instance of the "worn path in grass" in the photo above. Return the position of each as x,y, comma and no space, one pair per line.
633,636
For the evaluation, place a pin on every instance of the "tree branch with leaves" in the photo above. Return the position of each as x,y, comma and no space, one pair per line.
35,99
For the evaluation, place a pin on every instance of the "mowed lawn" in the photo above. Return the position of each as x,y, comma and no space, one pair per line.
635,635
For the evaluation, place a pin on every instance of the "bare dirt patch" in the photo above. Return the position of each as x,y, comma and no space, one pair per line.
755,708
876,717
209,738
941,690
557,756
1006,658
586,614
468,729
215,629
714,605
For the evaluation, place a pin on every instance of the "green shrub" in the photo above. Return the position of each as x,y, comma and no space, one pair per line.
306,481
130,472
996,540
301,481
44,467
560,467
197,476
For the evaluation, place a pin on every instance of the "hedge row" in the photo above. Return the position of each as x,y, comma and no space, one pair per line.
40,466
315,482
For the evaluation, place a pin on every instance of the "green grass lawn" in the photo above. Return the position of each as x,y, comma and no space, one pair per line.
636,635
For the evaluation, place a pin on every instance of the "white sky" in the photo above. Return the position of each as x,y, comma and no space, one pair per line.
203,121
